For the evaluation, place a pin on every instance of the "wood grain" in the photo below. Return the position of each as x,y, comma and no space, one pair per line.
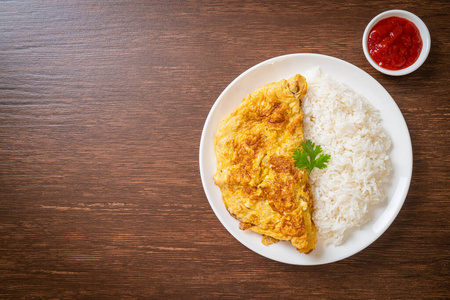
102,105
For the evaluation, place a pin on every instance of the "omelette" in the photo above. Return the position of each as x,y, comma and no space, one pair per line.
261,187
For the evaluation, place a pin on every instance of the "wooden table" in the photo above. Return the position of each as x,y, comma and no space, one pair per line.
102,109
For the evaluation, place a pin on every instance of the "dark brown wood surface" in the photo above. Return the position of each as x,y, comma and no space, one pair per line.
102,105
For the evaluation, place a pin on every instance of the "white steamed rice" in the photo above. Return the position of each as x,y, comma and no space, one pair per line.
349,129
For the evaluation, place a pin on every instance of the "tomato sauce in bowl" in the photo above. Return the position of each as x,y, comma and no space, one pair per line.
394,43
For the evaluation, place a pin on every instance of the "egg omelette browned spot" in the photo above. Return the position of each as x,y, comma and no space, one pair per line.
261,187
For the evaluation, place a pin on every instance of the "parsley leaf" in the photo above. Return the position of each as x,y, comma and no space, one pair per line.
305,158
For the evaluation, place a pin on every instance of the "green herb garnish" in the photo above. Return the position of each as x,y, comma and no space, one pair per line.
305,158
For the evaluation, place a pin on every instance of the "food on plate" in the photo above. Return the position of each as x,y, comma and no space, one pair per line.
266,151
260,184
350,130
394,43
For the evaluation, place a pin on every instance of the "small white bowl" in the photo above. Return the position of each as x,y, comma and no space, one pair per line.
424,33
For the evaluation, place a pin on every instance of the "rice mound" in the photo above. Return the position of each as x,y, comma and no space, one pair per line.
349,129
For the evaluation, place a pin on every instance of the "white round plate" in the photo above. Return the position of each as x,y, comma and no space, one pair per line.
286,66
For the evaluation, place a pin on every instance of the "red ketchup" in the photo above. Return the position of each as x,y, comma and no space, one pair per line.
394,43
